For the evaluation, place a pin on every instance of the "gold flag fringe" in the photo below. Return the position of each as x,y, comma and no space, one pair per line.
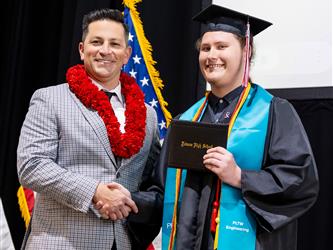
23,206
146,50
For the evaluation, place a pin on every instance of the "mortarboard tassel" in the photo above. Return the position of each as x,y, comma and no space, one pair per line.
247,59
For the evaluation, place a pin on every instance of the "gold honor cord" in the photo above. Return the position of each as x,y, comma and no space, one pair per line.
196,117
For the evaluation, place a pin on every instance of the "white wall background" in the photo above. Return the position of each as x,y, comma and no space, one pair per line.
296,51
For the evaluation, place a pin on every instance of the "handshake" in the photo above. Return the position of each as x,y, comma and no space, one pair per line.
113,201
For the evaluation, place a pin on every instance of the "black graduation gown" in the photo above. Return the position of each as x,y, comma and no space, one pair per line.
285,188
145,226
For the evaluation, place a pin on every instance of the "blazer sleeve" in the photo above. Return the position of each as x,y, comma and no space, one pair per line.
37,157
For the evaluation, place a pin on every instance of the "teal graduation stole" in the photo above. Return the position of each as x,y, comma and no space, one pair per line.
236,225
171,193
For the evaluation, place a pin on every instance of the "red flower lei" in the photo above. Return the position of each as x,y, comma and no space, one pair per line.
122,144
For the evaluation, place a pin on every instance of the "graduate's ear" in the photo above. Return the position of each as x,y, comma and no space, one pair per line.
244,53
250,52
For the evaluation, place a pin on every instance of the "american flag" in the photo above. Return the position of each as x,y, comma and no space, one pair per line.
140,66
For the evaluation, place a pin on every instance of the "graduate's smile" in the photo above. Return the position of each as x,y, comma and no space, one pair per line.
212,67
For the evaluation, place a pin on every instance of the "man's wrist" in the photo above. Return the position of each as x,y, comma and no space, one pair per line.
95,198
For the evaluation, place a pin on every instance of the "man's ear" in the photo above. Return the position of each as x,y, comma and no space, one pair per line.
128,54
81,50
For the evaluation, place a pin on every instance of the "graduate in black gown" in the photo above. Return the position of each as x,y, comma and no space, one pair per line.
286,183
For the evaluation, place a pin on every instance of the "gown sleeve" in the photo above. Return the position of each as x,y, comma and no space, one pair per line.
287,185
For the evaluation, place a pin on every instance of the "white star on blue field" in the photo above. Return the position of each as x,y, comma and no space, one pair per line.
136,68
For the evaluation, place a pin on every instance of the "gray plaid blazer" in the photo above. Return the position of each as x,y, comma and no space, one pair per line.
63,154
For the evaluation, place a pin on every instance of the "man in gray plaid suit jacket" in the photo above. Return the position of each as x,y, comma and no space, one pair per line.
92,160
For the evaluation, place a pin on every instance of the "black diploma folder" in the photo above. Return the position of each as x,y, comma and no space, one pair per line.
188,142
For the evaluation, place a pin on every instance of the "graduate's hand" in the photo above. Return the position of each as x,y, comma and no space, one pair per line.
104,210
113,201
221,162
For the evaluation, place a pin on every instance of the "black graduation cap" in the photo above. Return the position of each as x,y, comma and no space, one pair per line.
220,18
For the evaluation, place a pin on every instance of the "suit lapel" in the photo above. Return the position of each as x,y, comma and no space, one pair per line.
97,124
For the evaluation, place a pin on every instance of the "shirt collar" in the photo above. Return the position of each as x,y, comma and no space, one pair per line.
213,100
116,90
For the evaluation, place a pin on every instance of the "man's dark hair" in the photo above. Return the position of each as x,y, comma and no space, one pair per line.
103,14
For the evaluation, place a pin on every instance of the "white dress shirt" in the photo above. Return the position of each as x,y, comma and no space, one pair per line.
117,103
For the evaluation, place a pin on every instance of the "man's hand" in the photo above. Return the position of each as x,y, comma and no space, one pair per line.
221,162
113,201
